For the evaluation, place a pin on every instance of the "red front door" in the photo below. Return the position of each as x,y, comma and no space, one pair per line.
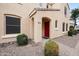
46,29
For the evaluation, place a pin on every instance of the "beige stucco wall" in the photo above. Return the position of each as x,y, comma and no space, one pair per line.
61,18
33,28
19,10
54,15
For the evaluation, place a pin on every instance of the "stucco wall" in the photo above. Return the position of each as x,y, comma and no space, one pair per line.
19,10
27,24
54,15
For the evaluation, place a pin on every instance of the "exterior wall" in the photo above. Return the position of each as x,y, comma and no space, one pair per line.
19,10
55,15
33,28
61,18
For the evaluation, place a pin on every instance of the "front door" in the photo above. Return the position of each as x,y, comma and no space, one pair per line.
46,29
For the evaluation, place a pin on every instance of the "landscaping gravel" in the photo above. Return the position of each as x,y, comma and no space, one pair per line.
68,46
28,50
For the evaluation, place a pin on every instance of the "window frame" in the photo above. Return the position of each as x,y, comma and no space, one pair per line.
11,15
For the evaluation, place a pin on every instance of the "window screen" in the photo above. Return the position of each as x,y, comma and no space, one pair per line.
12,25
56,23
63,27
66,27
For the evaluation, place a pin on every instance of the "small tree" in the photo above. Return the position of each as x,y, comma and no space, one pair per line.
74,15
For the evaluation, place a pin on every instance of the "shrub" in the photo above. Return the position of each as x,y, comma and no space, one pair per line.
71,28
22,39
70,33
51,49
74,32
77,31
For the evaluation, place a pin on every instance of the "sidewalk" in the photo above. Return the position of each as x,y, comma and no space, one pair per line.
68,40
68,46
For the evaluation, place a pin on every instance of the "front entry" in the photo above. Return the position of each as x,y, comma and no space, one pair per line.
46,29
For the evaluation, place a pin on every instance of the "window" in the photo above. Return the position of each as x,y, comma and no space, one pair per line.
65,11
66,27
20,3
55,23
47,6
63,27
12,25
40,4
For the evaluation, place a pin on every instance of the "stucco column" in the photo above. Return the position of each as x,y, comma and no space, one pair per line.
37,29
51,29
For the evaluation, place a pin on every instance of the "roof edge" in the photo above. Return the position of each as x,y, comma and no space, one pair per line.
46,9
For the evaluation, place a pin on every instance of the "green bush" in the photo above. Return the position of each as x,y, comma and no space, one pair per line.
51,49
71,28
70,33
22,39
75,32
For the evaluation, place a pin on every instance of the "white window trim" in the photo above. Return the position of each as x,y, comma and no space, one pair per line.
9,36
5,36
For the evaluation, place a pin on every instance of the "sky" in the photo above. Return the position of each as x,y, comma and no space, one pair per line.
73,5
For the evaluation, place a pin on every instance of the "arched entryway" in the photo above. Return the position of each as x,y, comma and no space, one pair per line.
46,27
